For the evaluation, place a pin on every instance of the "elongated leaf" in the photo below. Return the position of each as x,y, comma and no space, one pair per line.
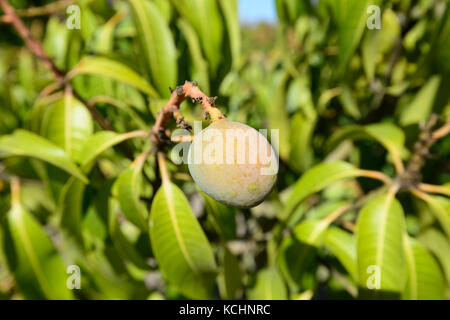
70,210
230,279
440,207
343,245
378,41
123,107
439,246
274,101
425,279
269,286
112,69
301,154
441,50
105,35
27,144
128,186
222,217
351,19
37,267
200,64
230,11
157,45
381,264
125,248
70,201
422,104
180,245
68,123
316,179
204,16
348,102
389,135
101,141
297,251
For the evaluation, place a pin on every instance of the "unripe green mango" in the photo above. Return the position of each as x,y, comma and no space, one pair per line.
233,163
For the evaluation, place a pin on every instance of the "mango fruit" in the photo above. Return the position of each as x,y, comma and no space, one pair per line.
233,163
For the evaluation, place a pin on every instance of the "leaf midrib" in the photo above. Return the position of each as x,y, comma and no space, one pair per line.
34,261
384,217
168,193
412,272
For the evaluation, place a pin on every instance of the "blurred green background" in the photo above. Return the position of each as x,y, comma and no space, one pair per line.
78,186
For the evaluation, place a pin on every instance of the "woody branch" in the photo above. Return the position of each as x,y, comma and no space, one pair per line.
171,110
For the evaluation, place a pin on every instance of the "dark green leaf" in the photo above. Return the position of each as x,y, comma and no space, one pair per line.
156,42
37,266
425,279
180,246
381,263
28,144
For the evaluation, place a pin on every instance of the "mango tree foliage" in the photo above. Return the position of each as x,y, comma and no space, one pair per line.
358,115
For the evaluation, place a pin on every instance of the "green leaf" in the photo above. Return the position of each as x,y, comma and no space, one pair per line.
425,279
68,123
222,217
112,69
441,48
317,178
70,210
298,250
125,248
351,19
158,47
204,16
128,187
421,106
101,141
388,135
343,245
71,198
180,246
27,144
269,286
230,11
200,72
439,246
440,207
105,34
379,41
381,264
138,122
32,257
301,153
348,102
230,279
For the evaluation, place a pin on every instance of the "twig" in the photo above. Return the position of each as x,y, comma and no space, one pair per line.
15,191
31,43
442,131
337,213
427,138
376,175
38,51
60,77
434,189
171,110
162,166
41,11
